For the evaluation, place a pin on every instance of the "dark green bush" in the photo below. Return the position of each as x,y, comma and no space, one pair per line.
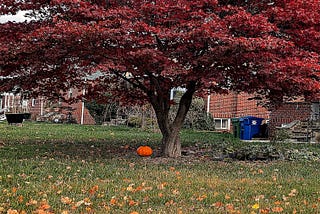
264,152
246,152
135,121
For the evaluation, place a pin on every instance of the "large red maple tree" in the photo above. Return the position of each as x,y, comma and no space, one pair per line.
266,47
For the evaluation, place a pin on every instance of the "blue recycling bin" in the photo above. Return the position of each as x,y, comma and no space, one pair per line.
249,127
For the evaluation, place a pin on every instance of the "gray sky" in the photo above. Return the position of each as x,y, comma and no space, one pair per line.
19,17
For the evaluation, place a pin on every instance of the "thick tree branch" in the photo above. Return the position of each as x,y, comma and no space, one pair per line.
136,83
184,106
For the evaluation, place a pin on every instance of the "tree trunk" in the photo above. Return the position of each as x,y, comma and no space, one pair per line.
171,145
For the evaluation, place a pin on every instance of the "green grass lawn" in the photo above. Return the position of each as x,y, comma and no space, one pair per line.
50,168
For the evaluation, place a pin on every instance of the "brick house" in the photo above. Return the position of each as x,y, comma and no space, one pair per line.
40,107
297,110
224,107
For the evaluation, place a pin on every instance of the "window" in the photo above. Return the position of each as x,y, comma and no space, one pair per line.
70,93
33,102
315,111
222,123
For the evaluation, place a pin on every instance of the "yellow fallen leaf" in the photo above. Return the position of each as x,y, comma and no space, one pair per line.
255,206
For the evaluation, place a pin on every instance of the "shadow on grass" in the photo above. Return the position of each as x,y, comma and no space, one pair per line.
34,140
81,151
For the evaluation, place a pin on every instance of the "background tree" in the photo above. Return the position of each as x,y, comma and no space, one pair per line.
269,48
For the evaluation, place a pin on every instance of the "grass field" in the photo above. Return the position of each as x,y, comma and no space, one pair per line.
50,168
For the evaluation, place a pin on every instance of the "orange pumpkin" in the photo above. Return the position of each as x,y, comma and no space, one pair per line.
144,151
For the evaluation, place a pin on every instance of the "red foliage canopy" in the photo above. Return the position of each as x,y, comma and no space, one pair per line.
268,47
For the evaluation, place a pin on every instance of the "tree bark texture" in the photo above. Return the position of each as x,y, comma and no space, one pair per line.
171,144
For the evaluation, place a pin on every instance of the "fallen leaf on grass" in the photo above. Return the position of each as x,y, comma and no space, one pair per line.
230,207
218,204
32,202
132,203
10,211
79,203
14,190
277,202
201,197
175,192
293,193
255,206
66,200
20,198
130,188
113,201
93,190
264,211
162,185
44,206
168,203
277,209
41,211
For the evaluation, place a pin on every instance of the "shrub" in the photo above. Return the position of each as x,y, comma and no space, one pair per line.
280,135
302,154
135,121
247,152
267,152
